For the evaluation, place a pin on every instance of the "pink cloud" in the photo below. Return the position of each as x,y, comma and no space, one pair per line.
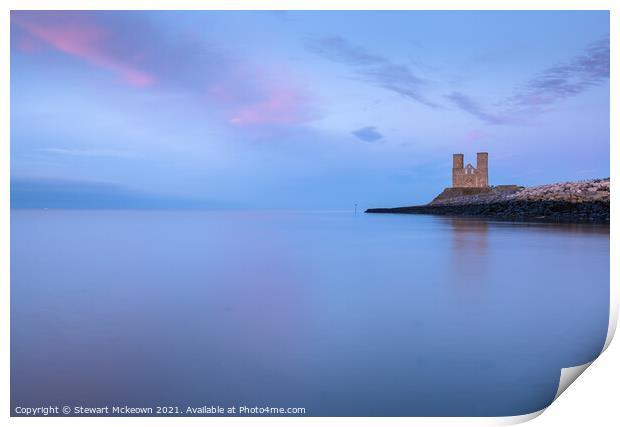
220,93
280,105
474,136
253,96
76,35
28,45
238,93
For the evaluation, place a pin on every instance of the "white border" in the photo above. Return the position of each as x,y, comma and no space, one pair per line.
601,385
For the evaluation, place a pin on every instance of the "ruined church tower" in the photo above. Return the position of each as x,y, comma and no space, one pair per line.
469,176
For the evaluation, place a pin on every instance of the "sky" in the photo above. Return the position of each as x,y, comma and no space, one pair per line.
299,109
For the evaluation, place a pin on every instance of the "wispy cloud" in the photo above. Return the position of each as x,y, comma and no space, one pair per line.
129,46
467,104
338,49
399,79
92,152
552,85
369,67
368,134
564,80
42,193
76,34
280,105
474,136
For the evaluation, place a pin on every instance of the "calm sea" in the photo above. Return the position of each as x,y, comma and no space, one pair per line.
337,313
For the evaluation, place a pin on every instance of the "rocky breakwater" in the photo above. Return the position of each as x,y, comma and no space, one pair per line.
581,201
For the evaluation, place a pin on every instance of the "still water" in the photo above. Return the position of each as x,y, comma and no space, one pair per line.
337,313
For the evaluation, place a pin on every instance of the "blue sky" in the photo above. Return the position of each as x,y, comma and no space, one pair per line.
300,109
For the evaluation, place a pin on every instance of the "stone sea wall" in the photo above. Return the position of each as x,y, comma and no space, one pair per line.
581,201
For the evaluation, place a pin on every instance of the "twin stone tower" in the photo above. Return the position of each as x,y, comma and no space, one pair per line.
469,176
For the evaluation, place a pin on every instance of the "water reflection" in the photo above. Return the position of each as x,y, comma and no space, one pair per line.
341,314
469,251
469,235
